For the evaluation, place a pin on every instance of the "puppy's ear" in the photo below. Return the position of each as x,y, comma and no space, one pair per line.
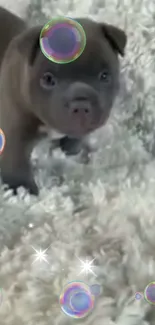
28,43
116,37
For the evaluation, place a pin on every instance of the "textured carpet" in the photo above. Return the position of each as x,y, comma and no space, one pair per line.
104,210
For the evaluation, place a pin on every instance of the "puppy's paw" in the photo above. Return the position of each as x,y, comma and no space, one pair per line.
14,182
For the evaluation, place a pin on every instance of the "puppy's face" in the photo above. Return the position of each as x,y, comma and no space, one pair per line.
75,98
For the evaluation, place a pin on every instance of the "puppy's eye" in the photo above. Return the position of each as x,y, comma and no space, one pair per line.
104,76
47,81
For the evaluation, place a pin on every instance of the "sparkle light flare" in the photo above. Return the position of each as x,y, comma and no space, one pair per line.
87,266
40,255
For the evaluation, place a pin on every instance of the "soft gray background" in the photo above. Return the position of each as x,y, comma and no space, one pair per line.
105,210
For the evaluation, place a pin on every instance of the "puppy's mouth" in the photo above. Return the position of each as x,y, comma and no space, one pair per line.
82,129
78,129
79,132
74,130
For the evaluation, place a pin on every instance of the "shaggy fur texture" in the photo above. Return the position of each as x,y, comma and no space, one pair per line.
105,210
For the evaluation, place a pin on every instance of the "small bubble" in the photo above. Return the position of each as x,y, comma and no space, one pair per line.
138,296
95,289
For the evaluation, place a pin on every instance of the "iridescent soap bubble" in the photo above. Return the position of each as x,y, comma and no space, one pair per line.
149,293
138,295
62,40
76,300
95,289
2,141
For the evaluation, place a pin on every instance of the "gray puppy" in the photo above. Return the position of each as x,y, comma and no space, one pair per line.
74,99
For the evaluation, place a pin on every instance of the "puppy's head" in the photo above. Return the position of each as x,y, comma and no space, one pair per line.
74,98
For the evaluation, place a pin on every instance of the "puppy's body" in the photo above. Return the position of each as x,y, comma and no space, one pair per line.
73,99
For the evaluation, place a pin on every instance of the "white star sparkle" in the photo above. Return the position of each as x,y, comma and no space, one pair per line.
40,255
31,225
87,266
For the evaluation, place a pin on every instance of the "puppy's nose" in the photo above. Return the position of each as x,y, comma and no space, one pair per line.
80,107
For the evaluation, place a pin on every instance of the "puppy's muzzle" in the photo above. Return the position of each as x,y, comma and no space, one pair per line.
81,100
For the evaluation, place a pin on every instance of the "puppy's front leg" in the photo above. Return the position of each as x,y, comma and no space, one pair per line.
14,163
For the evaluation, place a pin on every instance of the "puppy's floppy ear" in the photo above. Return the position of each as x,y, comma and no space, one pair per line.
28,43
116,37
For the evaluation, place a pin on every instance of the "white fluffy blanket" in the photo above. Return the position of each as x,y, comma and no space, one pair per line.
105,210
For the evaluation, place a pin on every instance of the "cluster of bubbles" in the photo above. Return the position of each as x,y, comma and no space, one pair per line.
62,40
77,299
149,294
